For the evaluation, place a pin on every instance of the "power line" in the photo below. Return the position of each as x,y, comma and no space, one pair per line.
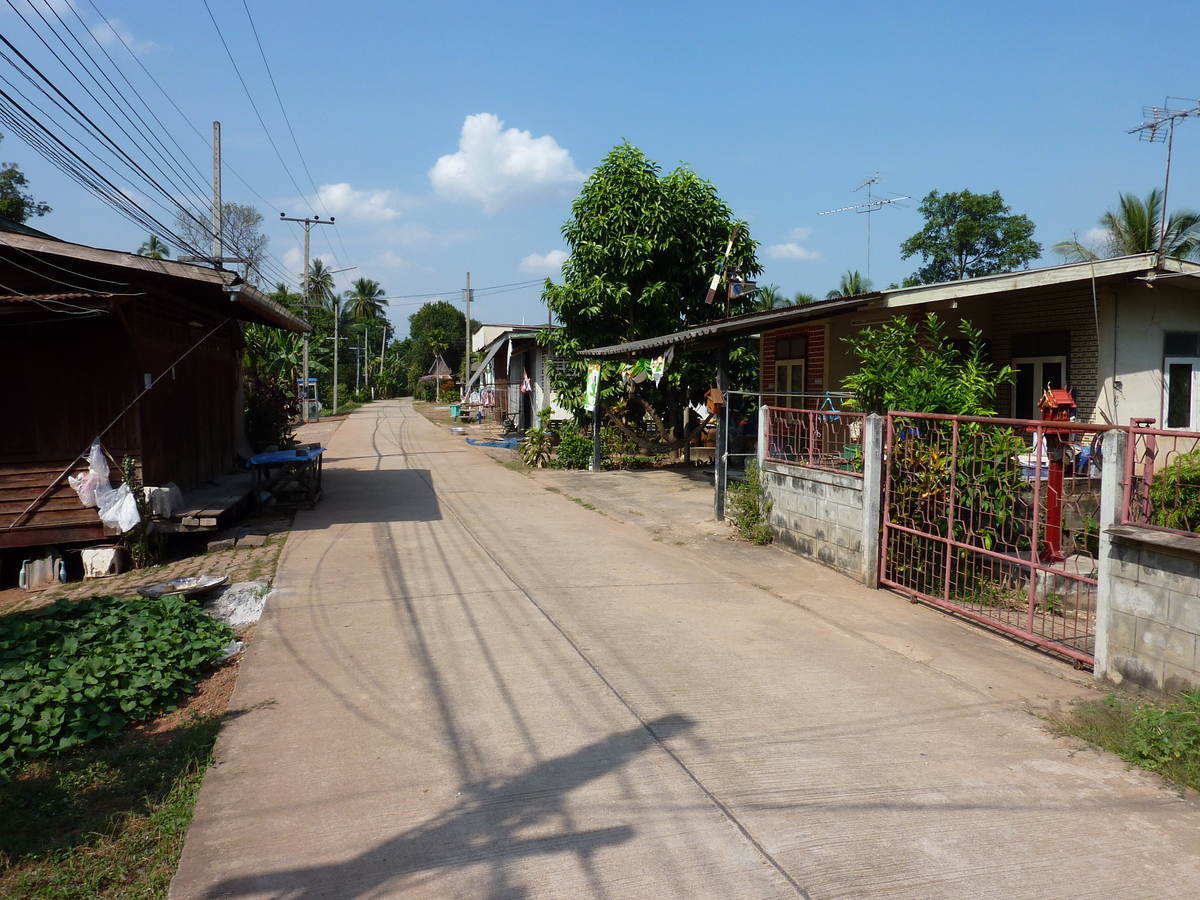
253,105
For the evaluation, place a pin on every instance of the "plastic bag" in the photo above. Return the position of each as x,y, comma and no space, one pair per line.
94,479
118,506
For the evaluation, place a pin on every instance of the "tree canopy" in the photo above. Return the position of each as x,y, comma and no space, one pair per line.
153,248
15,202
643,247
241,235
1135,226
967,235
438,327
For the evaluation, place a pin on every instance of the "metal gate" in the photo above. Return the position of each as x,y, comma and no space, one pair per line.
997,520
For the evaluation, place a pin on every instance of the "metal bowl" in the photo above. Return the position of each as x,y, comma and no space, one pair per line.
195,584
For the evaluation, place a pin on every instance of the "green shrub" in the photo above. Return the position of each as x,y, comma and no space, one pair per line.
82,671
574,449
1175,494
749,506
535,446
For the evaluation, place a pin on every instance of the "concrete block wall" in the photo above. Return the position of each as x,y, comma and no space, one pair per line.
817,515
830,517
1153,610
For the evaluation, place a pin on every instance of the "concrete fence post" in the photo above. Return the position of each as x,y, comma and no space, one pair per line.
872,523
763,415
1111,497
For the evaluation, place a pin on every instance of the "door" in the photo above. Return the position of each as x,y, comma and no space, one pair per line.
1034,375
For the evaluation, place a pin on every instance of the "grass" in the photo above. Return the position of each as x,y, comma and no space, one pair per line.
1162,736
108,819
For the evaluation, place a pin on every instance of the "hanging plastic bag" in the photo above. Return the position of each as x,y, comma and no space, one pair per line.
118,506
95,478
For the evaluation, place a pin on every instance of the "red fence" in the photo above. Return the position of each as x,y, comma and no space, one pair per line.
1162,480
826,440
997,520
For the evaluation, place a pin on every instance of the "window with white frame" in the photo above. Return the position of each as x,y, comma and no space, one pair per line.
1181,380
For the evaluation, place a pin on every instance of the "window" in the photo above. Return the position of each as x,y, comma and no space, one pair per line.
1181,380
790,362
1041,362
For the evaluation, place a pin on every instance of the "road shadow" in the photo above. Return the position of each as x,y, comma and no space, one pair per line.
373,495
497,821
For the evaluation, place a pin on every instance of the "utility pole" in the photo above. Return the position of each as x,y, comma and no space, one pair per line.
217,259
467,355
308,224
216,214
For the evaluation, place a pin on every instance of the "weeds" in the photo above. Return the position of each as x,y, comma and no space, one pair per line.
749,506
1161,737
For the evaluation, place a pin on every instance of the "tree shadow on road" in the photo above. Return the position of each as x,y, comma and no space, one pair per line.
497,822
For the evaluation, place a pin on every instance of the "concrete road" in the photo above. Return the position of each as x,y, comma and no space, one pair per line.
469,686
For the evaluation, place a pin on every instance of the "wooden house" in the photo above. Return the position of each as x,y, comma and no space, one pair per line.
144,353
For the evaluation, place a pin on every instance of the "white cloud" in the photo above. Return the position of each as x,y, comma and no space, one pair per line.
391,260
548,264
800,234
1096,236
293,260
111,32
499,169
791,250
367,206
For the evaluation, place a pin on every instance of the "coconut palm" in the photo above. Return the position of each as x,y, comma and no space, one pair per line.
1135,226
365,300
153,248
320,282
852,283
769,296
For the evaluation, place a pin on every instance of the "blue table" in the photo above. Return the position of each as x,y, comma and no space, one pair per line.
301,467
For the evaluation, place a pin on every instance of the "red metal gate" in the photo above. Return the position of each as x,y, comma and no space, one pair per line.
997,520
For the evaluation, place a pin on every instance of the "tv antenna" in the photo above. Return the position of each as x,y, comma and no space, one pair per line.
1158,119
872,205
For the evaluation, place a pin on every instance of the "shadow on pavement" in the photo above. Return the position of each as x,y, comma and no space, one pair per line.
496,822
371,496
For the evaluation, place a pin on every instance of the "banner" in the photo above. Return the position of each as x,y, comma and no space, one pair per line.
593,386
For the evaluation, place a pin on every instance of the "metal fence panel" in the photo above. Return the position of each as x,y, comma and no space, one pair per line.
827,440
1162,480
997,520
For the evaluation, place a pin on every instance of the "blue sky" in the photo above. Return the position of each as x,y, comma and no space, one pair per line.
451,137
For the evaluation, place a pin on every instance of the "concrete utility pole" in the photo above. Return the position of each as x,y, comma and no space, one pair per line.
216,215
467,355
308,224
337,315
217,259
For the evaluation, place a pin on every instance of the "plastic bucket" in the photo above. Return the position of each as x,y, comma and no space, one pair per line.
455,410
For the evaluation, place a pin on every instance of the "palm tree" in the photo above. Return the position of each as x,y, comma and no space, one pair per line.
852,283
153,248
320,282
769,296
365,300
1136,227
801,298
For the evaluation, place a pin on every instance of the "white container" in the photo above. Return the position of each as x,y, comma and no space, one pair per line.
101,562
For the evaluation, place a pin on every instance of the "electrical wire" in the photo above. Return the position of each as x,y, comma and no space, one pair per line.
288,121
254,105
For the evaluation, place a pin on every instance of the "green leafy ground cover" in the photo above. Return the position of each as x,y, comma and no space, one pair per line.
86,812
83,671
1163,737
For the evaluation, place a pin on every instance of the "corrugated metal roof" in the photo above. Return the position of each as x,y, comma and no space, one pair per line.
18,298
734,326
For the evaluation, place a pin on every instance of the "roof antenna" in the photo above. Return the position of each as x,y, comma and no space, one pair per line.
1156,117
873,203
